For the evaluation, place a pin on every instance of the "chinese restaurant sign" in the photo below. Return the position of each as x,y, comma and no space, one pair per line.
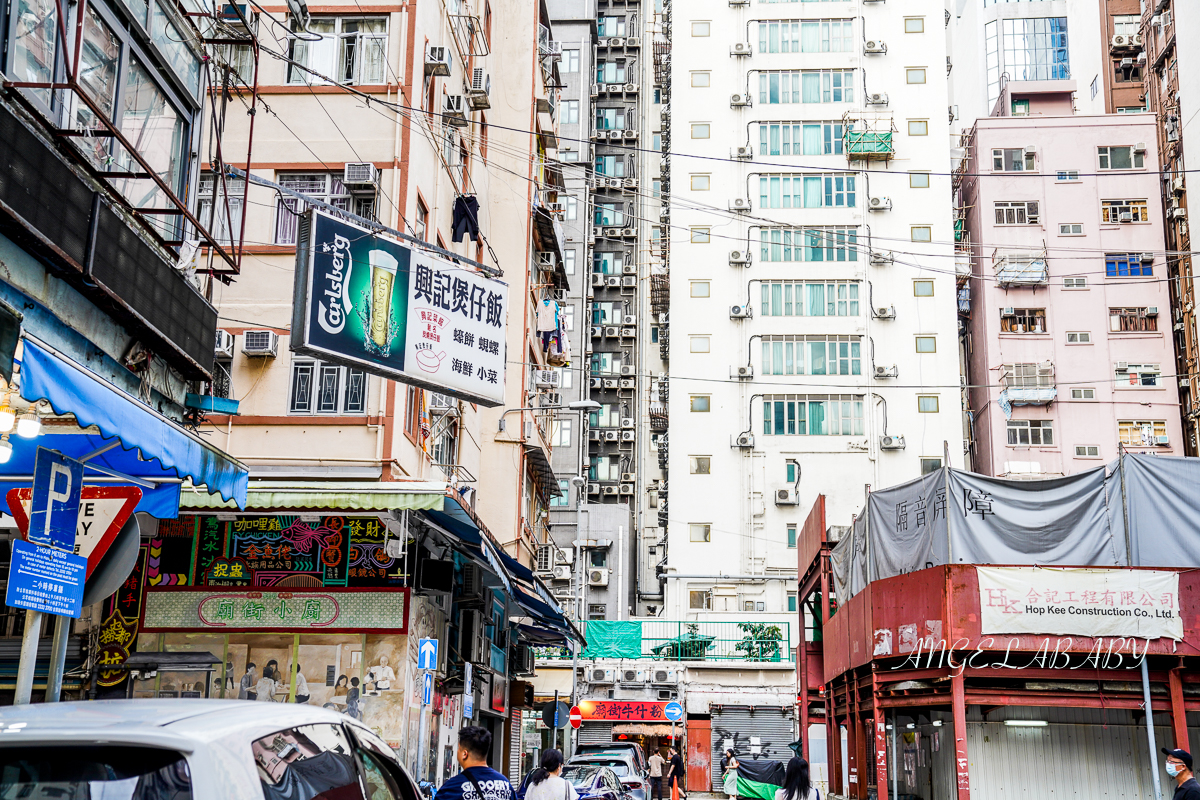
623,711
318,611
368,301
1080,602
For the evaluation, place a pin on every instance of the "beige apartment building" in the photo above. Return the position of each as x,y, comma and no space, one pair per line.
435,120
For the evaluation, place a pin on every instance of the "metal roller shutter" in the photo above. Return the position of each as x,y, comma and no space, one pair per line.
595,733
772,727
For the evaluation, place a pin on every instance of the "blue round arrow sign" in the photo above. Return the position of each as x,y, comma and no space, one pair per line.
673,711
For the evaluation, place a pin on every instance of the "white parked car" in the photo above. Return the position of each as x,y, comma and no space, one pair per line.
193,750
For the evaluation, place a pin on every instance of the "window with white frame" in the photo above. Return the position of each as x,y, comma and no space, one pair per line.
792,354
1070,229
1079,337
350,50
326,389
1083,393
1022,320
1132,320
1087,451
808,244
570,60
1037,432
812,415
1121,158
572,207
324,187
1136,374
560,433
226,220
569,112
800,138
1027,375
1075,283
1126,24
807,36
1141,433
1067,176
1013,159
569,260
1124,211
777,87
806,191
810,299
1014,212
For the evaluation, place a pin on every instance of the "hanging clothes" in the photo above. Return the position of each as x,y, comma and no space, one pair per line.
466,217
547,316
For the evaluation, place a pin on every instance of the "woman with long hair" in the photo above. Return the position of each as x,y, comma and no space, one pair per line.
547,783
797,785
729,780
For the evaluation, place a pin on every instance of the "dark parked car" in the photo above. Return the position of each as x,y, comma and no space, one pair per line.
623,766
632,748
594,782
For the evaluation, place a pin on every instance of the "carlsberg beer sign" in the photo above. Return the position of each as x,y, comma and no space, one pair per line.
368,301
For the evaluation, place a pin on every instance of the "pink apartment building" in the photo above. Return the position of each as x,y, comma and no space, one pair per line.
1067,330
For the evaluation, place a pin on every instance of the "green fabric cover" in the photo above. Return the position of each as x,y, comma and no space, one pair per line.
613,639
759,779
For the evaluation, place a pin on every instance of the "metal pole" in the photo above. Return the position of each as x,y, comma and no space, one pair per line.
1150,728
554,731
58,658
28,662
895,764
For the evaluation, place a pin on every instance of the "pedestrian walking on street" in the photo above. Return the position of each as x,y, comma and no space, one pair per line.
675,772
546,782
730,764
797,784
656,775
477,781
1179,767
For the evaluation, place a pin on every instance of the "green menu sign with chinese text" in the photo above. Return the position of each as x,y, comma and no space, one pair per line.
247,609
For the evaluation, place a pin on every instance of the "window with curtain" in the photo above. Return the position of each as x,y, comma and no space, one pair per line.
812,415
800,138
812,355
808,244
806,191
810,299
807,86
350,50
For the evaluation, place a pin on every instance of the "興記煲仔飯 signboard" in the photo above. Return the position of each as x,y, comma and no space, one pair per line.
369,301
1080,602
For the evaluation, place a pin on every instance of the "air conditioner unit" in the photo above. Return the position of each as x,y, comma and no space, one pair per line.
481,89
742,373
1122,366
1162,441
885,312
877,99
744,440
740,100
471,637
613,282
612,233
741,49
627,422
1120,41
628,383
627,232
633,41
454,110
1126,63
610,436
626,489
882,259
598,577
594,436
597,233
1136,40
610,383
628,333
669,675
628,371
875,46
560,574
608,490
1033,214
597,279
628,436
1147,258
629,282
879,204
523,662
739,258
740,312
629,319
1125,216
547,378
786,497
1177,185
1176,213
630,133
891,442
629,269
602,675
260,343
223,347
437,61
1152,311
593,488
614,41
360,174
470,589
631,87
741,152
555,208
633,676
629,183
887,372
1008,312
739,204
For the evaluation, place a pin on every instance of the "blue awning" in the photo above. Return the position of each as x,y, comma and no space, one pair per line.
158,499
70,389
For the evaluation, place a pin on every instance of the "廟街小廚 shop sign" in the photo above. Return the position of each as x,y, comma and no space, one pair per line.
244,609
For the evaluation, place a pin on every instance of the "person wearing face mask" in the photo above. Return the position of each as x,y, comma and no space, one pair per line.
1179,767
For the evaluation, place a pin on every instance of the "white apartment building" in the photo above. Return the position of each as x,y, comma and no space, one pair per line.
813,291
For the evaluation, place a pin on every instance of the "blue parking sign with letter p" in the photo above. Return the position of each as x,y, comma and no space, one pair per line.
54,511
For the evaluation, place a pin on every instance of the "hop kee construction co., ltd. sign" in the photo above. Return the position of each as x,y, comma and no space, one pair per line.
368,301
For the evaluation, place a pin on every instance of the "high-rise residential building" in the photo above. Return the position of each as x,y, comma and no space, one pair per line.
1108,60
812,282
1172,76
1067,341
603,549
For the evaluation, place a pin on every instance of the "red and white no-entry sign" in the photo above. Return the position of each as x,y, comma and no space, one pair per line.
576,717
103,510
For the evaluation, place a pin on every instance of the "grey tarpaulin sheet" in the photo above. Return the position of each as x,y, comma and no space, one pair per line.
960,517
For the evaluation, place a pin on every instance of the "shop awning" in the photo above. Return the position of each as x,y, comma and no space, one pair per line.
70,389
347,496
643,729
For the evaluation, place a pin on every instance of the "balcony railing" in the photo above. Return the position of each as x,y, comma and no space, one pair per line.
691,642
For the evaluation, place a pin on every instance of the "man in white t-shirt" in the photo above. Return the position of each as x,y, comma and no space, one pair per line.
302,694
